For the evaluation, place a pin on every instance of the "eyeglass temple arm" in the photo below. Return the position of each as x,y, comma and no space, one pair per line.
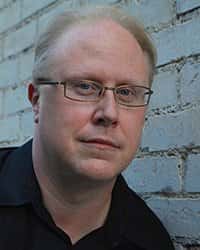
45,81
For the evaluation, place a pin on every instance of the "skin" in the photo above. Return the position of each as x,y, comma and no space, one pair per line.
76,176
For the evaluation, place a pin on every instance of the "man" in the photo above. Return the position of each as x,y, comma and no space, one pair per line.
63,190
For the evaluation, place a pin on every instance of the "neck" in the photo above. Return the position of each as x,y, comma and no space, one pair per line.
77,214
77,208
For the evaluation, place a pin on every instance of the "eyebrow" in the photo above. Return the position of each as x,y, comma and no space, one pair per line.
95,79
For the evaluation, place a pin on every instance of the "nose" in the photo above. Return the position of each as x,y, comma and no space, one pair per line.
106,111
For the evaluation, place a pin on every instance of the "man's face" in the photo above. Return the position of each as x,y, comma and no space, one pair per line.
94,140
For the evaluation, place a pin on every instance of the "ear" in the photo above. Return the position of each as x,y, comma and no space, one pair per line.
33,96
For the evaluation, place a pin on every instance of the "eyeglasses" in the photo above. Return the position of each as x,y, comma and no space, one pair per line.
90,91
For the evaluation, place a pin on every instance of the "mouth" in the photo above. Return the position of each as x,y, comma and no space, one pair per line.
101,143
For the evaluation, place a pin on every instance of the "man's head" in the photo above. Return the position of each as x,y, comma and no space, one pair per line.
94,140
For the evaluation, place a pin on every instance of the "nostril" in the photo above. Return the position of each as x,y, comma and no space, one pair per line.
100,121
105,122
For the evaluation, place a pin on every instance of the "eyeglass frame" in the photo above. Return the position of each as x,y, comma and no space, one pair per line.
43,81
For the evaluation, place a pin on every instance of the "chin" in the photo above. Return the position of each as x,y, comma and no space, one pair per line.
99,171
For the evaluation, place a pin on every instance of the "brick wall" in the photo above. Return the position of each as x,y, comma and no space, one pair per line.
166,171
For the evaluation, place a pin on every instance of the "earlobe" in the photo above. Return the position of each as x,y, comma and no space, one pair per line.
33,96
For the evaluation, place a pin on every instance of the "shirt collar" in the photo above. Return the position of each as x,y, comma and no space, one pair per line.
18,183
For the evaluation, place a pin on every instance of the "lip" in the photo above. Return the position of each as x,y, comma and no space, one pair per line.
102,142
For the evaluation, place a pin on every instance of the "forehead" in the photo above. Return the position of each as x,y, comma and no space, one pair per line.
93,47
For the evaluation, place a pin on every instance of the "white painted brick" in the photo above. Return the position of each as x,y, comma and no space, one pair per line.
152,12
165,91
178,41
186,5
172,130
154,174
180,216
178,247
9,73
192,183
9,129
45,19
1,103
13,12
96,2
26,62
16,99
30,6
1,3
27,125
190,83
1,49
20,39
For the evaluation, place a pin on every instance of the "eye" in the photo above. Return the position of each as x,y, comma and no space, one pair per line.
125,91
84,87
125,94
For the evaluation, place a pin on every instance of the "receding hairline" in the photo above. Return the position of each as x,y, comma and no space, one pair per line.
69,19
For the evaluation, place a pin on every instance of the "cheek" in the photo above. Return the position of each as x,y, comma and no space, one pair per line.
72,117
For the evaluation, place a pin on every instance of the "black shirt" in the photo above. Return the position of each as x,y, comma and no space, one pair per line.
25,224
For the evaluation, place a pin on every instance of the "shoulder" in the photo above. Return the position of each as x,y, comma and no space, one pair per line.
13,227
4,153
143,227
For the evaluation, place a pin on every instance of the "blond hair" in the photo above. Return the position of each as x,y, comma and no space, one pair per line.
69,18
